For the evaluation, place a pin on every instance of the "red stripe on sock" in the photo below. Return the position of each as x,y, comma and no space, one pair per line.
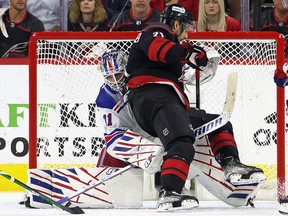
176,167
221,140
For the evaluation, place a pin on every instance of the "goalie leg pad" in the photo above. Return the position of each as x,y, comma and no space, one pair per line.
209,174
243,195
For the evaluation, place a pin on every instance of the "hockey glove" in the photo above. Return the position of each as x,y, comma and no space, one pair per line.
280,78
195,56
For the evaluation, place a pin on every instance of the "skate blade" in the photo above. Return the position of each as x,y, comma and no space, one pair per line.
283,209
185,205
235,179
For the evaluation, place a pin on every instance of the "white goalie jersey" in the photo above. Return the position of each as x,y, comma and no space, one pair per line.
116,115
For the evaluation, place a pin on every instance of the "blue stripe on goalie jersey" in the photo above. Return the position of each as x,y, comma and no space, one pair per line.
39,183
114,135
107,98
119,106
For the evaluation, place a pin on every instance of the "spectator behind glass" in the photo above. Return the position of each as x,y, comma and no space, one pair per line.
212,17
87,15
139,16
49,12
234,8
4,3
17,25
191,5
114,7
276,19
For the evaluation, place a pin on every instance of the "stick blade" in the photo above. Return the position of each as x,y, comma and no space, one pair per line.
74,210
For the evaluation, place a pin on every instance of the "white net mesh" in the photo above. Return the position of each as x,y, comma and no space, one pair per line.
254,115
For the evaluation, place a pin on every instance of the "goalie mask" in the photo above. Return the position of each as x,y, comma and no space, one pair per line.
178,12
113,66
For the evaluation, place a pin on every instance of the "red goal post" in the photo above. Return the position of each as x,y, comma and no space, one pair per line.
64,78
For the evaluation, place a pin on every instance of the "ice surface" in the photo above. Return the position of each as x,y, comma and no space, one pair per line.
9,205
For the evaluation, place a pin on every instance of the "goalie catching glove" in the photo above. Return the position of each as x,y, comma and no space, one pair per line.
195,56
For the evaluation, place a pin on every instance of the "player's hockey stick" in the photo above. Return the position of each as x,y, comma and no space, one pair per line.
72,210
201,131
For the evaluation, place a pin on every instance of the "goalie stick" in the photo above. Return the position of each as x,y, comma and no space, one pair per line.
201,131
71,210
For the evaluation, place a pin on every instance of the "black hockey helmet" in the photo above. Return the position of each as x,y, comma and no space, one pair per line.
177,12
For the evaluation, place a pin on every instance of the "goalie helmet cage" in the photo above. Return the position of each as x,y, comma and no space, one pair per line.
64,80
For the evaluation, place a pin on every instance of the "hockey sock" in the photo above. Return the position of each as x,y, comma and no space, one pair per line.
174,173
223,145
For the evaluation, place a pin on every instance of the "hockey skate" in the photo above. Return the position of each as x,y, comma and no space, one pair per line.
283,209
239,174
172,201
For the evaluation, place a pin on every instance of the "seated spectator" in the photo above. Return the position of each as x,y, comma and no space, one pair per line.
212,17
190,5
17,25
139,16
276,19
87,16
114,7
49,12
233,8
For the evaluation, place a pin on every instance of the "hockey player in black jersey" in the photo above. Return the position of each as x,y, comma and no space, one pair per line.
161,107
16,25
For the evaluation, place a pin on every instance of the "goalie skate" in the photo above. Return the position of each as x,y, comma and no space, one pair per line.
283,209
239,174
172,201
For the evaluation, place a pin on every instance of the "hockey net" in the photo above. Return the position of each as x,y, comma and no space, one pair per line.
64,81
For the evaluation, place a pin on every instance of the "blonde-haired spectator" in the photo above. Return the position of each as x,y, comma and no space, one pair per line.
87,15
212,17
